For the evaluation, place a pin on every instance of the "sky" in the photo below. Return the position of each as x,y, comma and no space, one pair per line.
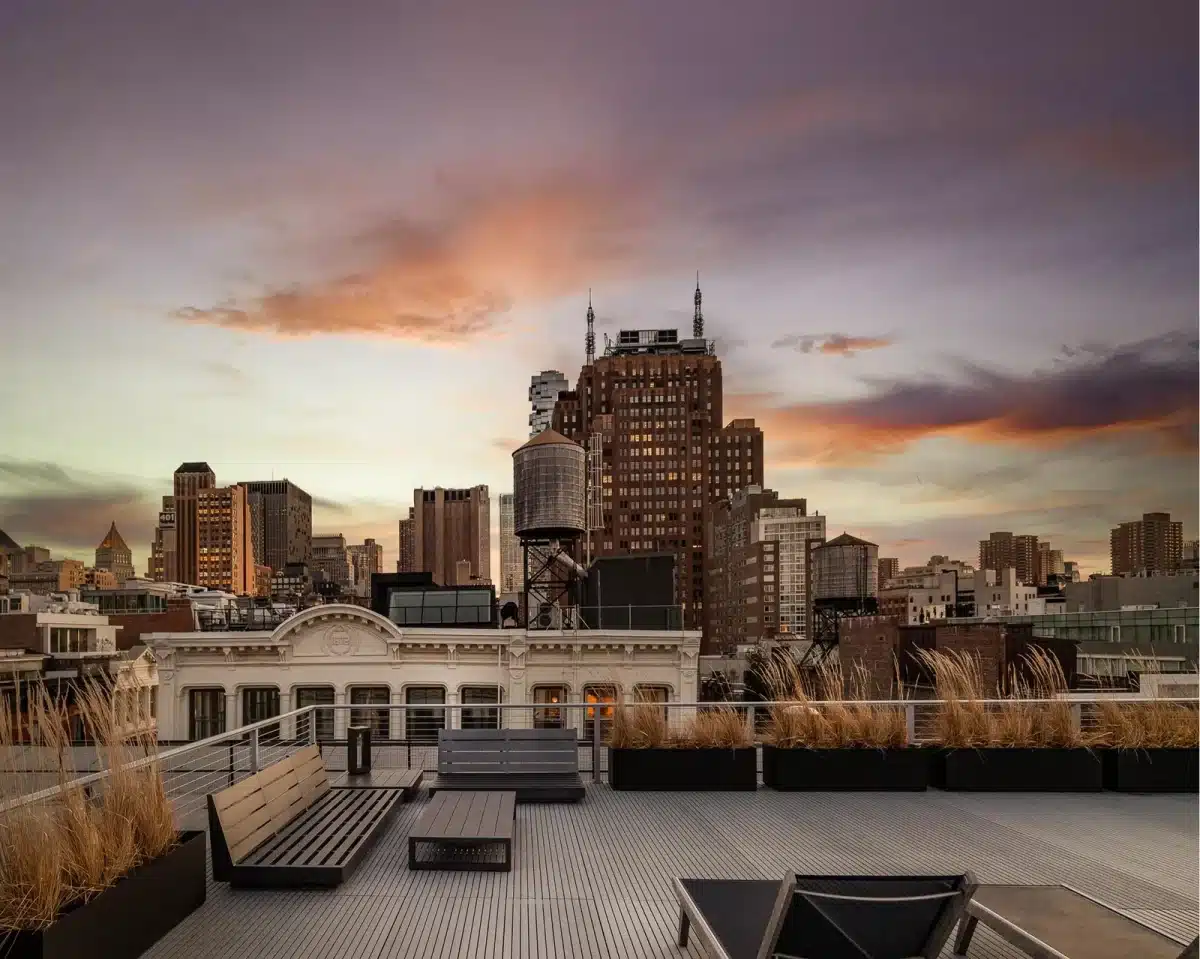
948,251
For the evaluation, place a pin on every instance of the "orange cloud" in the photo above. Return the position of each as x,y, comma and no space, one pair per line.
1142,388
831,344
1118,151
453,279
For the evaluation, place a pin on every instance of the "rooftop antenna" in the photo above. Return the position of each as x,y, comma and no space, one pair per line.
590,341
698,316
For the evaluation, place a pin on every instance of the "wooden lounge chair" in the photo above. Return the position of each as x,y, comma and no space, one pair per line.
834,917
539,765
285,826
1058,922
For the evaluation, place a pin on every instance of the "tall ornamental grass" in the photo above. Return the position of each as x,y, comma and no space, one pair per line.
60,852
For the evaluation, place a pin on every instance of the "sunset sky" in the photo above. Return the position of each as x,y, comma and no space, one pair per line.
948,251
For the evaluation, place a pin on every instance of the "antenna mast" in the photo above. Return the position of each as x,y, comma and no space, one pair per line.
590,340
697,316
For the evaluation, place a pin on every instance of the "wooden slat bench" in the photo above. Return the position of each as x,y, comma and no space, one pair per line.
459,828
285,826
539,765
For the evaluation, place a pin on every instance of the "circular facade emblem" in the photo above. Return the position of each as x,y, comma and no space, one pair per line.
339,641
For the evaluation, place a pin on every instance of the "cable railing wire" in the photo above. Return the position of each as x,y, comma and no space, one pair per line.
192,770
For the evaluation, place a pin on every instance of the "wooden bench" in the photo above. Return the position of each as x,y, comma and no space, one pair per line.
539,765
460,827
286,826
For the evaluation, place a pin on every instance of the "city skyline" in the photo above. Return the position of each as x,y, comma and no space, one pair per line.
954,284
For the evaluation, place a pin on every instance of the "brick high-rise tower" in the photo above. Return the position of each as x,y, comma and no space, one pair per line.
1153,544
190,479
649,414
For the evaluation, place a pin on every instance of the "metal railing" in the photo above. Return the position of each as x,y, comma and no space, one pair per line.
193,770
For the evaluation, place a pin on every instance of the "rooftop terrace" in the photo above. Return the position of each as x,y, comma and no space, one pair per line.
593,879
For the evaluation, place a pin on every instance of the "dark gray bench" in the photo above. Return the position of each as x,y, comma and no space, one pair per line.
538,765
286,826
1049,922
460,829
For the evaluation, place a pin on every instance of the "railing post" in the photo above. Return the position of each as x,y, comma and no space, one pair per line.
910,722
312,725
596,737
254,766
1077,718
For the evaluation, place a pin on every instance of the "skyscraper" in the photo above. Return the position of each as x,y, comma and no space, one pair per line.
511,574
1001,551
163,566
1050,563
226,547
1153,544
544,388
758,563
649,413
366,558
407,561
331,556
449,525
889,568
281,522
190,480
115,556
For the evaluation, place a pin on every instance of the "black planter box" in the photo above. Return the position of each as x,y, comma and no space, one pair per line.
999,769
128,918
683,769
1151,770
903,769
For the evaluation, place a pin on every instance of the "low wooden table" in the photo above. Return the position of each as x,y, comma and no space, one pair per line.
464,830
1058,922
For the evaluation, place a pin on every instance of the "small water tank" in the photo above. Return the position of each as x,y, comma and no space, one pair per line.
549,473
845,568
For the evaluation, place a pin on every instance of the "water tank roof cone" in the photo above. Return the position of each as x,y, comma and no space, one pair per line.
547,437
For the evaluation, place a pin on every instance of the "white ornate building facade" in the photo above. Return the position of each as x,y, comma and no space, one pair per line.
212,682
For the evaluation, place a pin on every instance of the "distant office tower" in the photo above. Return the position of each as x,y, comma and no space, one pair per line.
1191,555
757,587
48,576
649,414
190,480
331,556
544,388
115,556
1050,563
27,559
407,561
280,522
223,537
163,565
451,525
511,573
1071,571
366,558
1153,544
1002,551
889,568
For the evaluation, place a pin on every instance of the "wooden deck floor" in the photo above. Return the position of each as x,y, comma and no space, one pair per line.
592,879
